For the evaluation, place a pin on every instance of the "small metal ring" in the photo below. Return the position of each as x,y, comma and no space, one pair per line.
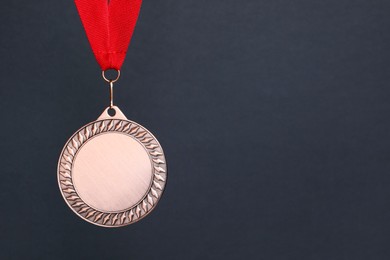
111,80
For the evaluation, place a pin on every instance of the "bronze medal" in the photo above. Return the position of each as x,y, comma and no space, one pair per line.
112,172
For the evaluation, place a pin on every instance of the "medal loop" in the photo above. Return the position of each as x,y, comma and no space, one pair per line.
111,94
111,83
111,80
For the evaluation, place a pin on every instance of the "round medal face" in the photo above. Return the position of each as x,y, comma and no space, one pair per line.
112,172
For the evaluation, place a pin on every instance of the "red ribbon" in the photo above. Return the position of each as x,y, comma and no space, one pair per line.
109,25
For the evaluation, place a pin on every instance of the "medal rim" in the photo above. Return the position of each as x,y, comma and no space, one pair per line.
150,209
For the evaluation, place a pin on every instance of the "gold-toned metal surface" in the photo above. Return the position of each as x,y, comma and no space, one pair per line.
112,172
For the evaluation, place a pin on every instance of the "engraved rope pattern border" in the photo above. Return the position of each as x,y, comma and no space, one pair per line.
127,216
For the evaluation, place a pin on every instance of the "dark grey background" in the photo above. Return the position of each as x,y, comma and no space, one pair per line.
273,115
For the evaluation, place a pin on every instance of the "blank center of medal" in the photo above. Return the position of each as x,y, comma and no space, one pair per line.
112,172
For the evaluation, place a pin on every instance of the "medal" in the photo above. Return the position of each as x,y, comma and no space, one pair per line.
112,171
